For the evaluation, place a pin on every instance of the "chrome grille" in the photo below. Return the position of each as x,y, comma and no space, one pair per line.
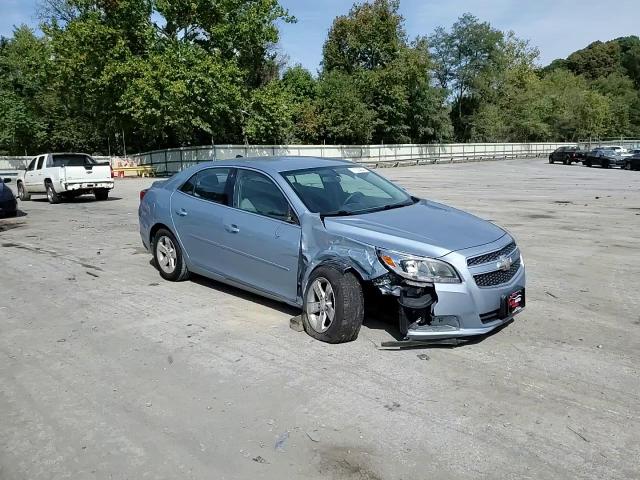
498,277
491,257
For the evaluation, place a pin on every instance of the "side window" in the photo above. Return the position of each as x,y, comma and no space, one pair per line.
40,162
256,193
32,165
209,184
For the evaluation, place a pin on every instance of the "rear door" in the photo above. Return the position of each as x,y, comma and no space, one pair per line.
37,177
29,174
197,211
262,236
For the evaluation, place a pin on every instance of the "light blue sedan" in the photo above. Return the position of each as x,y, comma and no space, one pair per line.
318,233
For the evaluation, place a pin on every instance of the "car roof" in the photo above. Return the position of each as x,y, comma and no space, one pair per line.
281,164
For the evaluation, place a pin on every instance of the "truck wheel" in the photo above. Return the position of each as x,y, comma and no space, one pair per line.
627,165
22,193
588,163
168,258
101,193
52,196
550,159
566,162
333,307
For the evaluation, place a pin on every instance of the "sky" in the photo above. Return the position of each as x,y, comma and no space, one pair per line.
556,27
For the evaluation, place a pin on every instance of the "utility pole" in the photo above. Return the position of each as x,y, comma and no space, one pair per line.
124,144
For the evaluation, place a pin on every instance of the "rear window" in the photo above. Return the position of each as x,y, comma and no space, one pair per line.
72,160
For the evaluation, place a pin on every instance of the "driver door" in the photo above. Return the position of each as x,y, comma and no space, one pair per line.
262,236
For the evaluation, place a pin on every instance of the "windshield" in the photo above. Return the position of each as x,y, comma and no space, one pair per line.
63,160
345,190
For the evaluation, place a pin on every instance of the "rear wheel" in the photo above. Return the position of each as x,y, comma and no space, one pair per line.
101,193
333,306
588,163
52,196
168,257
566,161
22,193
550,159
627,165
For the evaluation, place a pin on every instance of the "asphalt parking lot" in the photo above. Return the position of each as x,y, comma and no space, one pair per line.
108,371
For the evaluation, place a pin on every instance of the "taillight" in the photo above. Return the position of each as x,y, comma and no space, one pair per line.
143,193
111,168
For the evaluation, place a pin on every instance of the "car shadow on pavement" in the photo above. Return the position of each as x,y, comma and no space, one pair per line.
376,318
244,295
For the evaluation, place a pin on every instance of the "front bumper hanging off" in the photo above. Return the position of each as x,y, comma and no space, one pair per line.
439,312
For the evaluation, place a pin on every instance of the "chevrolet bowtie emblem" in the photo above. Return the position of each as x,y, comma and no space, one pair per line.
504,263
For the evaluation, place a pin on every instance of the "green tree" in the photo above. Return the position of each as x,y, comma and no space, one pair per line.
369,37
392,76
24,66
270,116
305,116
345,117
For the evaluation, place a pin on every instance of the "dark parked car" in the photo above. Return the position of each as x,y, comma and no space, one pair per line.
633,162
603,157
566,155
8,204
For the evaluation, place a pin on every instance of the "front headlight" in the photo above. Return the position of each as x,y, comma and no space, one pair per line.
419,269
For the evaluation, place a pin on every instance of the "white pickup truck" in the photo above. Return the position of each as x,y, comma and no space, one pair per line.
65,175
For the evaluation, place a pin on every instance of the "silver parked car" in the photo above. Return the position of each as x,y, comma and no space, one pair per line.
317,233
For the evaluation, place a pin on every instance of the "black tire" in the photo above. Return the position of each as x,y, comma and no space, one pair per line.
550,159
23,195
588,163
180,272
52,196
349,306
101,194
566,161
605,164
627,165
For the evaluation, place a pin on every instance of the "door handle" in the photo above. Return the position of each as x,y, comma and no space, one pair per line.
182,212
232,228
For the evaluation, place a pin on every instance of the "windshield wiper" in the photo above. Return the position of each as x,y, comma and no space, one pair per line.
337,213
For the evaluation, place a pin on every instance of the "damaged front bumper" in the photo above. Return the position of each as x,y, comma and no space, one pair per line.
466,309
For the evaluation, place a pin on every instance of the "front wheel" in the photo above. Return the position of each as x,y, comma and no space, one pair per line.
627,165
333,306
168,258
23,195
101,193
550,159
588,163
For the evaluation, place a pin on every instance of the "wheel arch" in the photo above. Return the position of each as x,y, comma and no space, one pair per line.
154,230
344,265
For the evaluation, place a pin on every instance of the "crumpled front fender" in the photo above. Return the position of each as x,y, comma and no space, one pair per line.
319,247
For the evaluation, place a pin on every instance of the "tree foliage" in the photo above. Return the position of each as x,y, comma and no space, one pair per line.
164,73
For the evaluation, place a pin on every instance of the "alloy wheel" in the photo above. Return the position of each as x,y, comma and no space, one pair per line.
166,255
320,305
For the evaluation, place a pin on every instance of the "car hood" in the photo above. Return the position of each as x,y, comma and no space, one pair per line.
425,228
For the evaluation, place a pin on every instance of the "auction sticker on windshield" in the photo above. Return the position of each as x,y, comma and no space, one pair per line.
358,170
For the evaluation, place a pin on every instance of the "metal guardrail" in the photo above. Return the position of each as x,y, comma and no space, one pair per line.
166,162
